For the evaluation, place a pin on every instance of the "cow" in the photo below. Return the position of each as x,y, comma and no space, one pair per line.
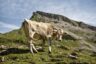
45,30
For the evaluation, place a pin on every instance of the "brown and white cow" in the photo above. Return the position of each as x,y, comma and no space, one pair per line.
45,30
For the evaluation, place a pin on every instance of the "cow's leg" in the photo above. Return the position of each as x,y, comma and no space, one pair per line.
49,42
32,47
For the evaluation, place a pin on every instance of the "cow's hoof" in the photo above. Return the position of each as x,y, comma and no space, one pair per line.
36,51
49,52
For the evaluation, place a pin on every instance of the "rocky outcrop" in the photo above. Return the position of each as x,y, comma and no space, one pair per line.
83,25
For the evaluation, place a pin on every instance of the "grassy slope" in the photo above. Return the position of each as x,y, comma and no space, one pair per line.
59,54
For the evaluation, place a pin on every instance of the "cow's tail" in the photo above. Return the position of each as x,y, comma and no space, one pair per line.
24,27
24,23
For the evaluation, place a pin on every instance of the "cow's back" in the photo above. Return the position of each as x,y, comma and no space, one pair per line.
41,28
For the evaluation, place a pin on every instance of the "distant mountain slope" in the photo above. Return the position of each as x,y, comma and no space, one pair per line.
81,29
47,17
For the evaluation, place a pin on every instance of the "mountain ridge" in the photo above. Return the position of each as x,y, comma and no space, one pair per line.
80,29
57,17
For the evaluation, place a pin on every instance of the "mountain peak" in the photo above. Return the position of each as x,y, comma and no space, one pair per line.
56,17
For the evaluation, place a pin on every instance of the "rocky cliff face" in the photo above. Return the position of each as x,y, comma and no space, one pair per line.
75,28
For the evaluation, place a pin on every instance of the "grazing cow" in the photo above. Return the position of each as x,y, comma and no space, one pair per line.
45,30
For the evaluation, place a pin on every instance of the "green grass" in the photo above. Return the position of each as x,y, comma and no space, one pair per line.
59,55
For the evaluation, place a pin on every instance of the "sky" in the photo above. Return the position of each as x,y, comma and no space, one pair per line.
13,12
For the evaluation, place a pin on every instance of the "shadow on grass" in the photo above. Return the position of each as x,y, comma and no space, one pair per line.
13,51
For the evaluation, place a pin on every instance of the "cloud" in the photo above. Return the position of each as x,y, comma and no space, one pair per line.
9,26
76,10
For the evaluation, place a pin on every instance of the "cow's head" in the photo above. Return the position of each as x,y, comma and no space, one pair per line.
58,33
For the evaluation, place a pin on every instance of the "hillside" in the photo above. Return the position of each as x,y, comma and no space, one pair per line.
80,29
78,45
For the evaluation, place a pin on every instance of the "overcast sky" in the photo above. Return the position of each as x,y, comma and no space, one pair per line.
13,12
